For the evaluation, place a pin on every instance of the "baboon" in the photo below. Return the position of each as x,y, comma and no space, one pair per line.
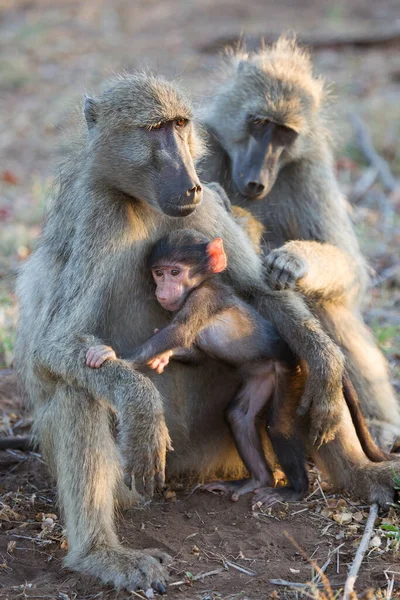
271,150
128,180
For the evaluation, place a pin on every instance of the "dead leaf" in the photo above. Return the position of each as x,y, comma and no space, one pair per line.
375,542
170,496
358,516
11,546
343,518
9,177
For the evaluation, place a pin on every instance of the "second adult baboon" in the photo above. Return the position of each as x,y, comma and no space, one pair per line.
271,150
128,180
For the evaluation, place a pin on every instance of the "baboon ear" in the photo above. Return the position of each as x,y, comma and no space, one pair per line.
90,111
217,261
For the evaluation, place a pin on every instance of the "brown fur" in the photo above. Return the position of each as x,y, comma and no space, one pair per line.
309,241
87,284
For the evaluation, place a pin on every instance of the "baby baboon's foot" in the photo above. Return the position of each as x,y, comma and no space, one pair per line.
236,488
269,496
124,568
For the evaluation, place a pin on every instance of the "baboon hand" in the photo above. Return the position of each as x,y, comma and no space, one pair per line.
96,355
324,418
158,363
144,456
285,268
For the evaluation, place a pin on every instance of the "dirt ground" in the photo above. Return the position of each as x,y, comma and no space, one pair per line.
51,51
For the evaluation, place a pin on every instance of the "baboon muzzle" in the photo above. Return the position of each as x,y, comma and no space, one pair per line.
185,193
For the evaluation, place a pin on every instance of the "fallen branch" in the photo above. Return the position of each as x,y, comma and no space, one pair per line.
362,548
197,577
362,186
376,36
366,146
239,568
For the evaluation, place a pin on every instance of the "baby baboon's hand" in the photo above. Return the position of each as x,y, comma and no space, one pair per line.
285,268
159,363
96,355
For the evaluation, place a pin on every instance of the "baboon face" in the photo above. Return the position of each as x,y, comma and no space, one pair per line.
257,157
142,142
263,112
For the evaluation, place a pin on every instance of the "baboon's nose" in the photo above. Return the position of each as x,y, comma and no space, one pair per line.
254,188
193,194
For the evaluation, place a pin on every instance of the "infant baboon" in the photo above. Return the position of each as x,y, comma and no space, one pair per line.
86,284
271,150
211,318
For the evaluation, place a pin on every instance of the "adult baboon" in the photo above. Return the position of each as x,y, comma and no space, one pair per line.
271,151
87,284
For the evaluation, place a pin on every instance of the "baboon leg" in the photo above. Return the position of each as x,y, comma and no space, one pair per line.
344,461
285,434
242,414
368,372
75,434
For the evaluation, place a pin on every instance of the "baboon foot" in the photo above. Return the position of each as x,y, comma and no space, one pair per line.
375,482
126,498
269,496
124,568
384,434
235,488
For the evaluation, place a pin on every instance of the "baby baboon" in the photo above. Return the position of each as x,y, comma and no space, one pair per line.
211,318
271,150
128,173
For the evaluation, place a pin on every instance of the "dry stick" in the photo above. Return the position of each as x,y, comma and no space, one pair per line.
197,577
362,548
366,146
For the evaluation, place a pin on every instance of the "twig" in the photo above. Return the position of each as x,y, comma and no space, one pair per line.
355,567
288,583
362,186
375,36
324,580
239,568
365,143
385,275
197,577
326,564
322,492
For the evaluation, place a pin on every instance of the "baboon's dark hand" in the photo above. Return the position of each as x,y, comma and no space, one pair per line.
284,268
144,458
324,418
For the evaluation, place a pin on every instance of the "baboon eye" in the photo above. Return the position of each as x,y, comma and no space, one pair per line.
181,122
158,126
175,272
158,273
261,123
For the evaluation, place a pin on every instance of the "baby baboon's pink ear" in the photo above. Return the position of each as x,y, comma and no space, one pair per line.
216,256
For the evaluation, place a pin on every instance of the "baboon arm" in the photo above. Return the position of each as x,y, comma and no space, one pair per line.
65,358
319,270
200,307
192,355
